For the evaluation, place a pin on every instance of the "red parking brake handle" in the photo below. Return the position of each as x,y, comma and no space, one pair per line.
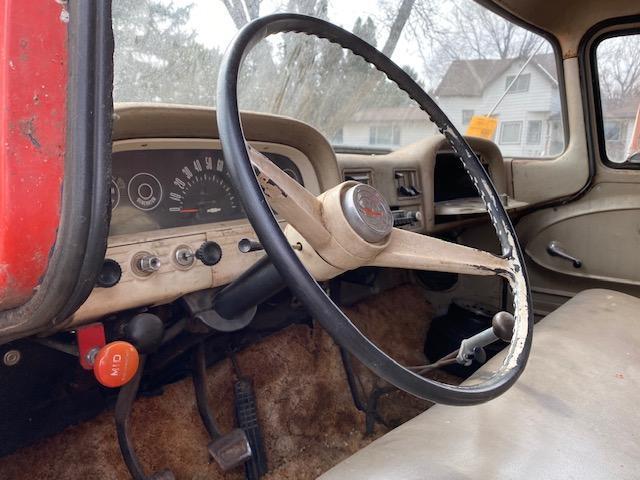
114,364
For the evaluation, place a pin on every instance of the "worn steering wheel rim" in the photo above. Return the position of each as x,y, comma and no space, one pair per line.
294,273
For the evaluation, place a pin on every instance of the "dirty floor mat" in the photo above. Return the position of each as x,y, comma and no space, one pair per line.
309,422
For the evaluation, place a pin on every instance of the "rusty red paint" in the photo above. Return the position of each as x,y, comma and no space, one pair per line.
33,91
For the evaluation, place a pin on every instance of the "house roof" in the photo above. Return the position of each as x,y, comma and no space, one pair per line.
470,77
410,112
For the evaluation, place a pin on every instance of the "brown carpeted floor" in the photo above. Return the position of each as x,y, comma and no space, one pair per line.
307,415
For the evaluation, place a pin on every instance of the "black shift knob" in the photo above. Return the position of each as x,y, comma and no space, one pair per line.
502,324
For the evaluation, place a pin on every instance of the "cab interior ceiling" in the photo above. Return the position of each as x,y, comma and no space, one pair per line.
567,20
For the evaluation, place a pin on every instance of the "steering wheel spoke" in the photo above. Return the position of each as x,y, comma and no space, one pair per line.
420,252
297,205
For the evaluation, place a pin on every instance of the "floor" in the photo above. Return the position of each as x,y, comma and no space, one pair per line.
309,422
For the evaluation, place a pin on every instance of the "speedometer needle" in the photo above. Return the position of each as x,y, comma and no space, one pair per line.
188,210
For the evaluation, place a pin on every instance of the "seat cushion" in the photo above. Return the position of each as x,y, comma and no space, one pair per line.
574,413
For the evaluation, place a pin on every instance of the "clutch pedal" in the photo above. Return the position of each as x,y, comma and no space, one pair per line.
231,449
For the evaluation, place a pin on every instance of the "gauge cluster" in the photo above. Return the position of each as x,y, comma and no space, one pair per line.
166,188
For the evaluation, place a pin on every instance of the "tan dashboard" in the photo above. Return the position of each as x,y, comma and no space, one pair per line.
164,155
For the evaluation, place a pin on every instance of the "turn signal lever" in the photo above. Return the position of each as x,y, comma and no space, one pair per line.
472,348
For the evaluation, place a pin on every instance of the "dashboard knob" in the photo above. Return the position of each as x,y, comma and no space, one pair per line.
247,245
209,253
115,364
110,274
148,263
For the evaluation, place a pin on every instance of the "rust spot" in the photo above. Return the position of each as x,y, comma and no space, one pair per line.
569,54
270,188
28,129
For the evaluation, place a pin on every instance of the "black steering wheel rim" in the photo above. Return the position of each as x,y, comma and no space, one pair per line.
298,279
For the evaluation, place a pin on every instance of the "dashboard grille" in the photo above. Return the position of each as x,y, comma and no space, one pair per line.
360,176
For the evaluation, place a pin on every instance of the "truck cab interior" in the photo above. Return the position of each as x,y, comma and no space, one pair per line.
304,239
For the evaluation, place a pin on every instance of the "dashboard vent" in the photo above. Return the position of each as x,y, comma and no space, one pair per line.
360,176
406,183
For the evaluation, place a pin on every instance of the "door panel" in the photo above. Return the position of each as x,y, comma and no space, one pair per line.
602,229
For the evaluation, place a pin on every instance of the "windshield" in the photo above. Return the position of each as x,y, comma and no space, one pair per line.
472,61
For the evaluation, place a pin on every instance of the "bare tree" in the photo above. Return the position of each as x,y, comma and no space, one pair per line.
464,30
404,11
618,62
242,11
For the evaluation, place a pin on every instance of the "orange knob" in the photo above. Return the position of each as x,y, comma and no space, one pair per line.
116,363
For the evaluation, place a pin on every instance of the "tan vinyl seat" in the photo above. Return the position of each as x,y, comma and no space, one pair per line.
574,413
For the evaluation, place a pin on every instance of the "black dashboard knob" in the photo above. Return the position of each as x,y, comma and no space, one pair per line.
110,274
209,253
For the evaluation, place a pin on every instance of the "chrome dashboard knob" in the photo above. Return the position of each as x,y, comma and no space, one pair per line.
149,263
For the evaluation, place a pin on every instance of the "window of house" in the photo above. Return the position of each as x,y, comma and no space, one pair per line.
520,84
618,69
166,51
534,132
466,116
510,132
384,135
612,130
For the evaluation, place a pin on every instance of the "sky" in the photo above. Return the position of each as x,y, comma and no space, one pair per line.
205,14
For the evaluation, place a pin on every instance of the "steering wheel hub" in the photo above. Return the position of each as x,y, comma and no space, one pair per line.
368,212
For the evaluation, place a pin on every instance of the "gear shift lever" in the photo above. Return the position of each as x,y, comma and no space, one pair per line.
473,347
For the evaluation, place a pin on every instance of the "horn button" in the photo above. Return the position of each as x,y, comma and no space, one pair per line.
367,212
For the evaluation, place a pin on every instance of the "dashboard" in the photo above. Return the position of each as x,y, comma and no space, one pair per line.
172,196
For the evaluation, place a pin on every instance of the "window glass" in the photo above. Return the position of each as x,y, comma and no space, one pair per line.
518,84
534,132
461,53
384,135
618,63
510,132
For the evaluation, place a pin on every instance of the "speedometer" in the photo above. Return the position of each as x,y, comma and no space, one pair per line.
202,193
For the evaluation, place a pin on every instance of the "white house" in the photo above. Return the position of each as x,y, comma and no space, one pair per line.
529,120
388,127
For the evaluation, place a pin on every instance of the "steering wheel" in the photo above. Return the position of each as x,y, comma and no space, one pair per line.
351,225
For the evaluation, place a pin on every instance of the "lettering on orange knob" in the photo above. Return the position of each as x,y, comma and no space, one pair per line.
116,364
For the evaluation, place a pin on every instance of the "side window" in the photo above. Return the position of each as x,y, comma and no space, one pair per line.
618,65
